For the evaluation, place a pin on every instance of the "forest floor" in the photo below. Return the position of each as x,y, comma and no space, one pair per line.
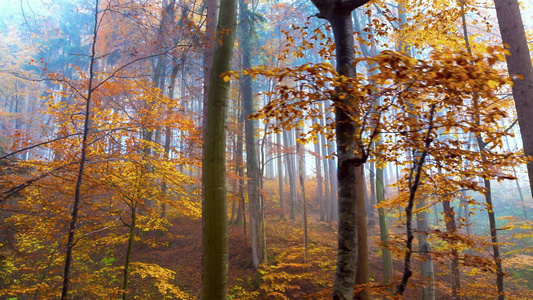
290,273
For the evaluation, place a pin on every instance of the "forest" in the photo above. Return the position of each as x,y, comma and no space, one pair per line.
252,149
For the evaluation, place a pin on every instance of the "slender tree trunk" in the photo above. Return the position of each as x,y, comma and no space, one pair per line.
128,251
214,208
494,239
252,165
291,175
319,185
383,228
502,14
241,216
302,187
426,264
280,179
414,182
449,217
327,171
83,158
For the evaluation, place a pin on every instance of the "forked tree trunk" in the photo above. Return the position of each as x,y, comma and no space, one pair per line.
350,171
214,208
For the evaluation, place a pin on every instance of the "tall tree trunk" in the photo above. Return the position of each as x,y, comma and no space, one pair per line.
518,63
319,185
327,172
214,208
350,171
291,176
494,239
241,216
503,11
383,228
280,178
252,165
302,187
333,182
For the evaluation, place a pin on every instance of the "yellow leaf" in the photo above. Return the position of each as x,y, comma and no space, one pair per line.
227,78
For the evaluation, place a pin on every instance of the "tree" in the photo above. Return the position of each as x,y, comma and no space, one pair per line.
214,209
83,153
252,165
521,71
350,172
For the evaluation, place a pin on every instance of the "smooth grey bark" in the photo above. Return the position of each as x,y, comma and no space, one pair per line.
350,171
383,228
214,208
325,161
252,164
280,178
319,184
518,63
517,181
426,263
291,176
212,10
302,187
239,152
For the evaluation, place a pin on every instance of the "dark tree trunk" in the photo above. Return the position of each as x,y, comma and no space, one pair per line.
83,157
350,174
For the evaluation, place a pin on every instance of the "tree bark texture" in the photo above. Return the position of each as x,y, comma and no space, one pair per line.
350,175
214,209
252,165
518,63
280,178
426,263
449,217
383,228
